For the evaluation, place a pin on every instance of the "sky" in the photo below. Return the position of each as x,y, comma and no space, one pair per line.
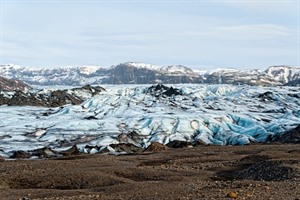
200,34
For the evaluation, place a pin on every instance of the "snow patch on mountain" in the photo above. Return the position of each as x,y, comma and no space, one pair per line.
89,69
283,73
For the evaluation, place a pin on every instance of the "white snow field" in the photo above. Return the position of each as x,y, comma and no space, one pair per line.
142,114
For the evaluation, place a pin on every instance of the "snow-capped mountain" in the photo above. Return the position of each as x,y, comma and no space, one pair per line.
141,73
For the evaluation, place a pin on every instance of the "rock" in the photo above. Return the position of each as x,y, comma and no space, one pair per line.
5,137
267,96
92,89
90,118
20,154
156,146
232,195
171,91
160,89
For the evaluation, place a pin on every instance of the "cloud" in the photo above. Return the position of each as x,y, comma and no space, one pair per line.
261,30
155,32
279,10
245,32
260,5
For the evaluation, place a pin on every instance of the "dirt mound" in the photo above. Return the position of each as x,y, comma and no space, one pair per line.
266,171
179,144
259,168
156,146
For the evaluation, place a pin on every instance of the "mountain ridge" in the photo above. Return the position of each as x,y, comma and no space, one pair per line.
142,73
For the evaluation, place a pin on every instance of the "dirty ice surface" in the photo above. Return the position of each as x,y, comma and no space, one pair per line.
210,114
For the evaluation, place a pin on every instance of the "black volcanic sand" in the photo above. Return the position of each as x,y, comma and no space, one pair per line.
270,171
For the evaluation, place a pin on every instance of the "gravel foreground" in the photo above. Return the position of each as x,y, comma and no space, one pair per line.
268,171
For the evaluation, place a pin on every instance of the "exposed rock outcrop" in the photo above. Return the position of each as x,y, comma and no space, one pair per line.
49,98
12,85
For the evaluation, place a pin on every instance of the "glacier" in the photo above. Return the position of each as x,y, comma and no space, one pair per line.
143,114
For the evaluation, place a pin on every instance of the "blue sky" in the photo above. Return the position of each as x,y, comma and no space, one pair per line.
199,34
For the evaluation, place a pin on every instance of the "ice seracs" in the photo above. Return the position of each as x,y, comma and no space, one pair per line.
144,114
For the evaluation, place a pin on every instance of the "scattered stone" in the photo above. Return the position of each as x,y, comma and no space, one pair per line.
232,195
